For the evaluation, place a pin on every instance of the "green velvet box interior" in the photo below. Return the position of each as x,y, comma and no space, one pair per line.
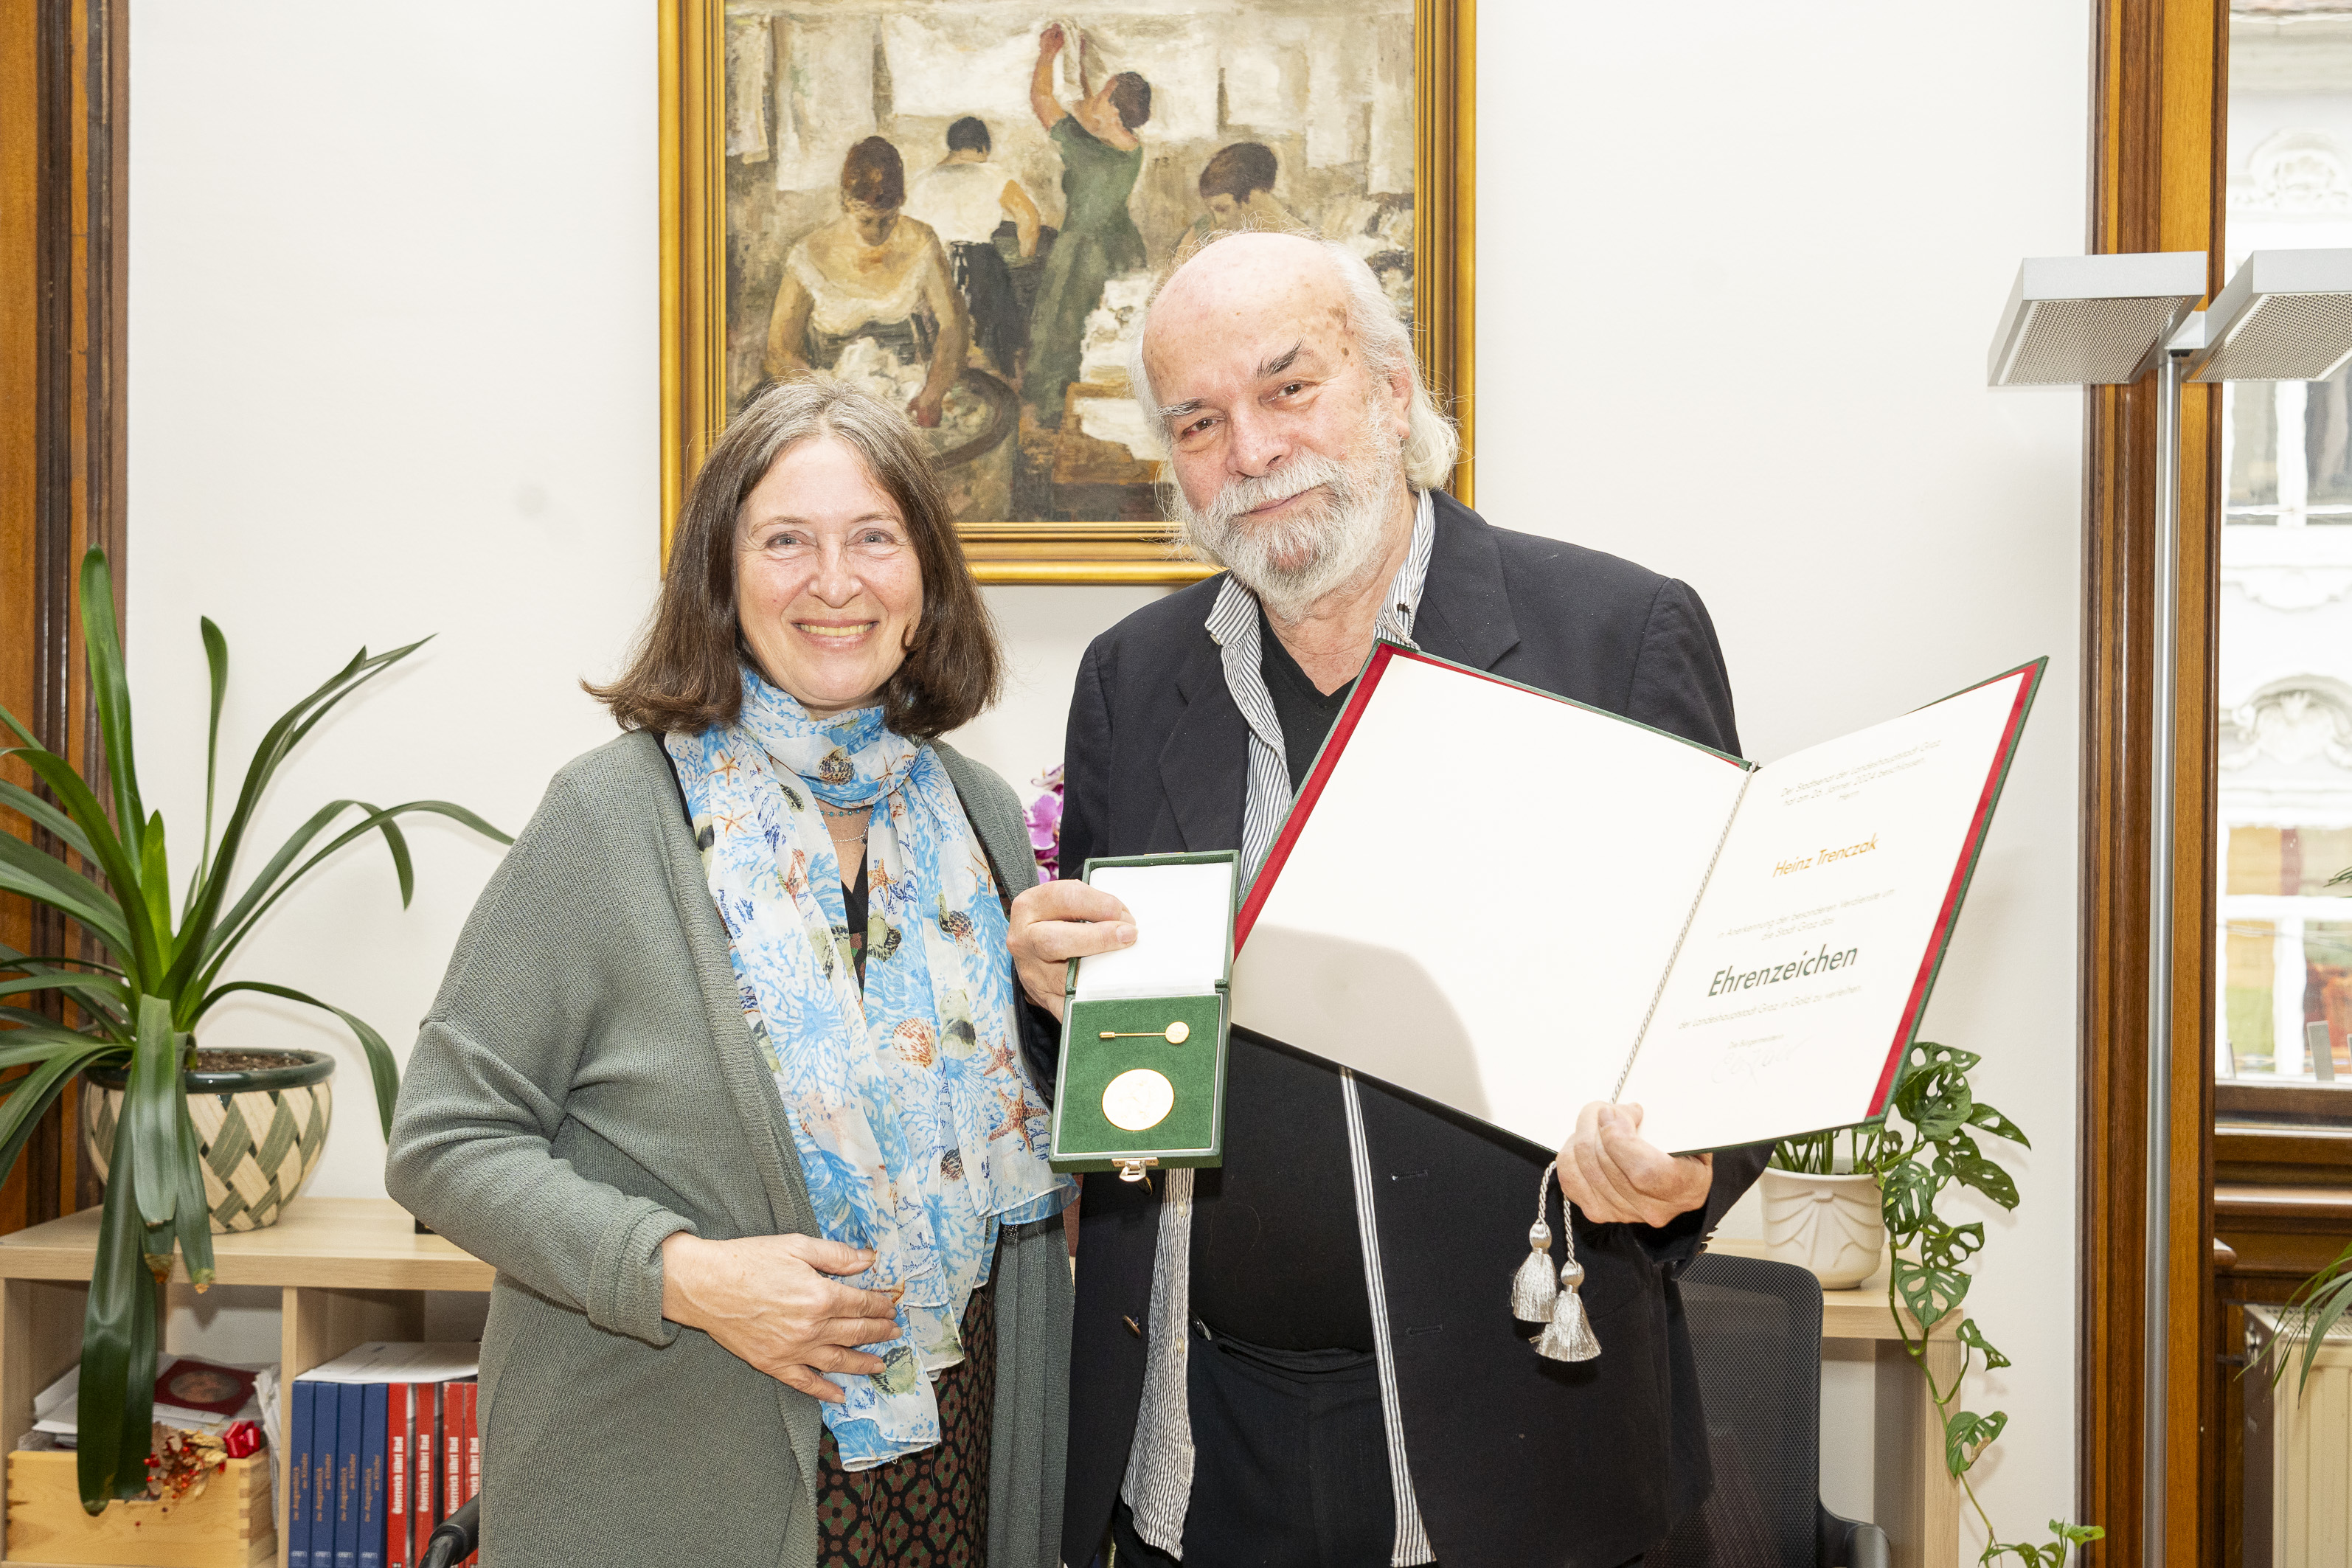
1193,1132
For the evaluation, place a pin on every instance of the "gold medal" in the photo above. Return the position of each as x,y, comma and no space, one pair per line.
1138,1100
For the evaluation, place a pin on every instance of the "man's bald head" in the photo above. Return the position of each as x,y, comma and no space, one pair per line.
1259,285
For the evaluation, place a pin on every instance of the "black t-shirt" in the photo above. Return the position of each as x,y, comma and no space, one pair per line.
1305,714
1277,1257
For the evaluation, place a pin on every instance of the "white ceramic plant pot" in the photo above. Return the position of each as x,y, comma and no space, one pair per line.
1830,1225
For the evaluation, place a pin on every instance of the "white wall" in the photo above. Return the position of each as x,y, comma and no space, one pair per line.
392,356
1738,268
393,373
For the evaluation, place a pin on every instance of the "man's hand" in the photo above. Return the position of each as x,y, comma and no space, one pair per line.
1608,1170
768,1300
1054,922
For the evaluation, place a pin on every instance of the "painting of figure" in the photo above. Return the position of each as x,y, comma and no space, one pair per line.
959,204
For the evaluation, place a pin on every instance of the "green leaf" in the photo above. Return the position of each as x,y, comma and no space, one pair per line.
1975,1171
217,666
30,1097
155,880
1906,1192
109,685
2313,1309
49,880
195,1219
1966,1435
99,995
138,956
2076,1534
1973,1337
1944,1246
275,743
40,1043
1928,1292
118,1344
151,1107
1999,1126
382,1070
26,803
257,899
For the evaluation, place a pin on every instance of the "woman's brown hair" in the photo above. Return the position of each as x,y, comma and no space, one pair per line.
686,672
874,174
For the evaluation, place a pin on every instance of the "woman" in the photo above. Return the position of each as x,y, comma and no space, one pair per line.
965,200
1101,157
872,272
726,1077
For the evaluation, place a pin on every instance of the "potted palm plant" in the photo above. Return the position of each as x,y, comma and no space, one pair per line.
128,1022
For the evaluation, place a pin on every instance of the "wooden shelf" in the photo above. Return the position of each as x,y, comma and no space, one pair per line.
349,1243
348,1270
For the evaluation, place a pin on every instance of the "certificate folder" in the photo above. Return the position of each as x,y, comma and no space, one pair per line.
1144,1030
1516,904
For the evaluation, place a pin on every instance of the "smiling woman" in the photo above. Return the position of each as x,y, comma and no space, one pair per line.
728,1077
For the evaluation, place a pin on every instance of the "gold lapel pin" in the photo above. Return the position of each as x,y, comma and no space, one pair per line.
1175,1034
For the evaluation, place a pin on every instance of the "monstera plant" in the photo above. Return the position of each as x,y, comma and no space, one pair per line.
140,1006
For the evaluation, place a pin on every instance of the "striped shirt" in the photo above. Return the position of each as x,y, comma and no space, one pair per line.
1159,1484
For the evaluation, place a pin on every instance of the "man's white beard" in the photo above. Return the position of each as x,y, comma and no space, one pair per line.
1327,543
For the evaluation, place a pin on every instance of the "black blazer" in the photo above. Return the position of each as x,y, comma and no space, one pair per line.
1516,1460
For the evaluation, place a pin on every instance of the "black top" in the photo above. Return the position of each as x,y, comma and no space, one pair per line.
1158,760
852,910
1305,713
1276,1259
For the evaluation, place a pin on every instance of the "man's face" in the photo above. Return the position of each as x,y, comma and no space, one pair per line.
1281,437
1222,206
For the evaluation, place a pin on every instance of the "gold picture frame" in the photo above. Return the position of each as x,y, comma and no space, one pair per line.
693,200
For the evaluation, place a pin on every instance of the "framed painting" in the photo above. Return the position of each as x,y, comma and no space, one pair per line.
962,204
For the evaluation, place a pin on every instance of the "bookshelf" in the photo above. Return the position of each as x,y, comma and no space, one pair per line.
348,1269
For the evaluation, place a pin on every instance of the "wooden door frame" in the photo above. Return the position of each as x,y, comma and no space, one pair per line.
2159,104
63,158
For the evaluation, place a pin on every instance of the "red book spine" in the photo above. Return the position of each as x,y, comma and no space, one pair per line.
427,1450
473,1450
453,1448
399,1421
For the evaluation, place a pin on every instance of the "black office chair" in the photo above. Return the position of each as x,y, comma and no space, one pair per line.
455,1538
1756,1328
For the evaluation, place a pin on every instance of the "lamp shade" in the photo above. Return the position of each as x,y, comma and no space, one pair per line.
2286,315
2073,321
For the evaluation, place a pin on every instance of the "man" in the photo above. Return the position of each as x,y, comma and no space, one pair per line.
1251,1382
1236,185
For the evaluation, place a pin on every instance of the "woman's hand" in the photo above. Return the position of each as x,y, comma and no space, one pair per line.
767,1299
927,407
1616,1176
1054,922
1049,42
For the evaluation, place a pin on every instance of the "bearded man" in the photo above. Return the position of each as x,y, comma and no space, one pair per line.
1307,1356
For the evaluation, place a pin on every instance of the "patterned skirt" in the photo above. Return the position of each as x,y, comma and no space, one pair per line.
928,1510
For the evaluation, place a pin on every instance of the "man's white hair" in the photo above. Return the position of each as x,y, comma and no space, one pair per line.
1431,444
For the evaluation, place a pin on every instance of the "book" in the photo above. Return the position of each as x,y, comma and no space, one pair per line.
453,1448
427,1463
473,1405
350,1421
1515,905
326,1427
399,1427
296,1470
375,1425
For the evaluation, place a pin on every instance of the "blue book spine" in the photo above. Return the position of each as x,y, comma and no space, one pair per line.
298,1478
375,1412
351,1410
325,1425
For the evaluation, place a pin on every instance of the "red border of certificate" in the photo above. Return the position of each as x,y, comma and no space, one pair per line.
2027,675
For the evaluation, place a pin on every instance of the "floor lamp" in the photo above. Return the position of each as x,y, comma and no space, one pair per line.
2092,321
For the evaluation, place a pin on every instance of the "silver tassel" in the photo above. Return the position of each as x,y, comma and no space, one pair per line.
1568,1332
1532,1289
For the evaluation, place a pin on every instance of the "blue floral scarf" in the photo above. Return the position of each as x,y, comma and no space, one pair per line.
917,1127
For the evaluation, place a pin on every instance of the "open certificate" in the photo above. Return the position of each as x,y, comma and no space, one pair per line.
1608,912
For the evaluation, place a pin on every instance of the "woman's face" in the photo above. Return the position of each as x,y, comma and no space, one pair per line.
827,584
873,224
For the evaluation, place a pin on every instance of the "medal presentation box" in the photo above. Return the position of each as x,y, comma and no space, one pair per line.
1142,1079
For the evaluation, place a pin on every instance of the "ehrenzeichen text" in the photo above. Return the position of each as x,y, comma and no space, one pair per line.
1726,981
